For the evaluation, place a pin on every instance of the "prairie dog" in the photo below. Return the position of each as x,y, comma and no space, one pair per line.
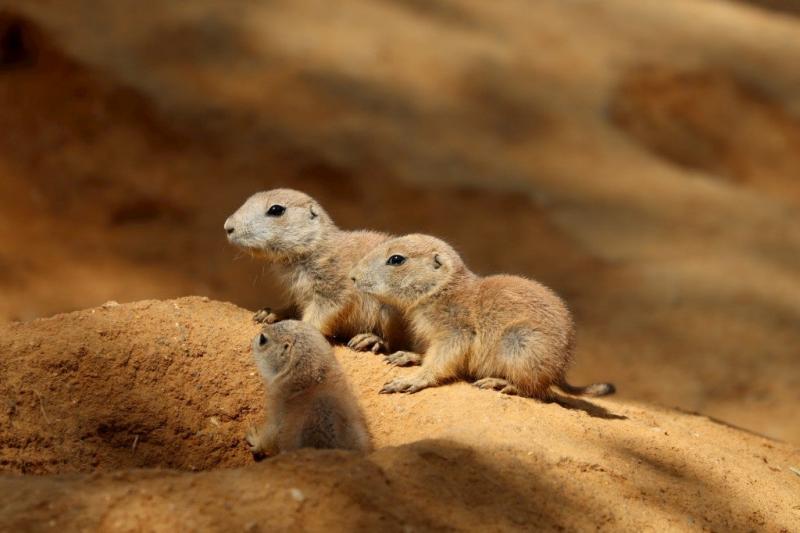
313,257
308,401
506,332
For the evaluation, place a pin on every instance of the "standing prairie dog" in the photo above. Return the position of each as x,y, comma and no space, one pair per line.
308,401
506,332
313,257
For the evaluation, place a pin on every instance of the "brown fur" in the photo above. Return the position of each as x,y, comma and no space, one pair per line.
308,401
506,332
313,257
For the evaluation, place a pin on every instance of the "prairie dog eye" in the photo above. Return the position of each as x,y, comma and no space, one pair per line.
396,260
276,210
262,340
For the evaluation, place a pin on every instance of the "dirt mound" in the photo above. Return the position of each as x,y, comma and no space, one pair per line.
105,389
170,385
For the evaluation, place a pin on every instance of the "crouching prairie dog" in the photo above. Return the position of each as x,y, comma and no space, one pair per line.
308,401
296,236
504,332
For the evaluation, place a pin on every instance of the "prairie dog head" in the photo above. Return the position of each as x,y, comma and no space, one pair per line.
407,270
292,353
279,224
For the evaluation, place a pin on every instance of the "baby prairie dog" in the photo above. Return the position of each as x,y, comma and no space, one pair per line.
504,332
308,401
313,257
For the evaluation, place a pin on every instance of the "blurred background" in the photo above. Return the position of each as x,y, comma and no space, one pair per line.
641,157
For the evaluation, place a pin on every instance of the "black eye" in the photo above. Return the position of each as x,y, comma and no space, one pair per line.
262,340
276,210
396,260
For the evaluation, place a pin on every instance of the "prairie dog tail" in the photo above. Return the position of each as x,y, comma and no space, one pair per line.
595,389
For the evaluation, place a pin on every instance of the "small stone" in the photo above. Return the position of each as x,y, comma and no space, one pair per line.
297,495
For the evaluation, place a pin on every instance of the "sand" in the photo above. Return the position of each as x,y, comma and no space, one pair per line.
137,412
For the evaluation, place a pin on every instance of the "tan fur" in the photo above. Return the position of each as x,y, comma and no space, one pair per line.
308,401
313,258
507,332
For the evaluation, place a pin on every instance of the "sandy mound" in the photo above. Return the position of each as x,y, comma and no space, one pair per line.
169,385
82,388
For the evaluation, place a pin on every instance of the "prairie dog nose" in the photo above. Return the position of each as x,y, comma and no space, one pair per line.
229,227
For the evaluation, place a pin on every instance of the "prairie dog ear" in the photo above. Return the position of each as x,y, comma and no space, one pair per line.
312,211
439,260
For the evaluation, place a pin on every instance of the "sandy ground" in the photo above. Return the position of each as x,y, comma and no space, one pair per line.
96,395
